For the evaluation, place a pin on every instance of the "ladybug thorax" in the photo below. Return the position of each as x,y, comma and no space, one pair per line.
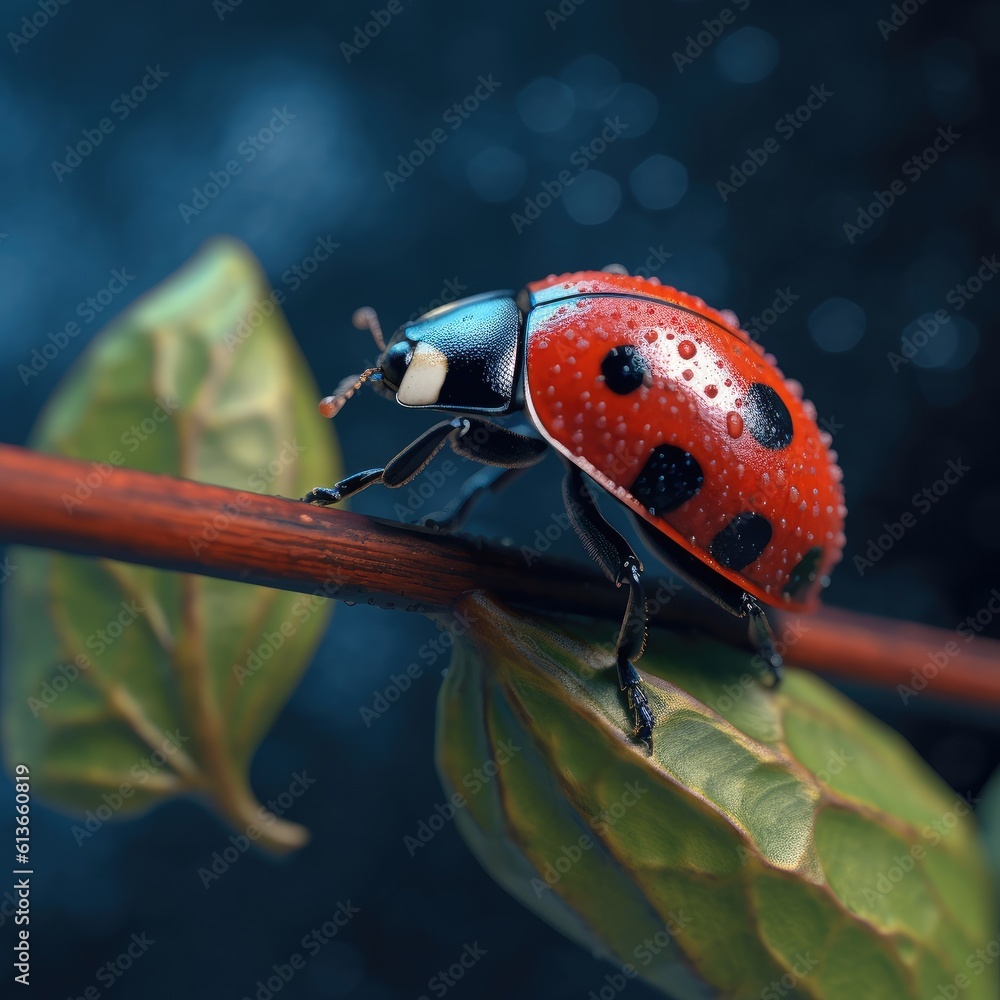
462,356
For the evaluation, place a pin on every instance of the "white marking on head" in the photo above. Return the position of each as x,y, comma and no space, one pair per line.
425,375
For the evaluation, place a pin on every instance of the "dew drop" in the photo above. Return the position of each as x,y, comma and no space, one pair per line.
688,374
687,350
711,391
734,424
793,494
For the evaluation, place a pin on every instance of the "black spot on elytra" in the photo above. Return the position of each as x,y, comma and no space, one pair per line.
670,476
741,541
804,574
624,369
766,417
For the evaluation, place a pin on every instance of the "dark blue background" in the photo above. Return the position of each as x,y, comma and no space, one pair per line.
323,176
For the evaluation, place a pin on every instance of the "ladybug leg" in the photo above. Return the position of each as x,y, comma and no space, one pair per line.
493,444
622,566
507,451
397,471
763,639
326,495
453,515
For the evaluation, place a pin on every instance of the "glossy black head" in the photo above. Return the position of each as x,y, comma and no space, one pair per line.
462,356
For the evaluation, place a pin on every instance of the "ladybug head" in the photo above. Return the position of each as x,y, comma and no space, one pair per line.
461,356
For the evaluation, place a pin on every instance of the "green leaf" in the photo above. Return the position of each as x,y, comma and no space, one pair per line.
989,816
776,844
123,684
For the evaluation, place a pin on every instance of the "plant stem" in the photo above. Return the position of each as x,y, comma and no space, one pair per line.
191,527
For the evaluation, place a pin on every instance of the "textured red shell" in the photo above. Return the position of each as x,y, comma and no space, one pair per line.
712,449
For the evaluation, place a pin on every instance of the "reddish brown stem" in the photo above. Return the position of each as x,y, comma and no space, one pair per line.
192,527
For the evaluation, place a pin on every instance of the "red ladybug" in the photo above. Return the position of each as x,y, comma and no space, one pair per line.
662,401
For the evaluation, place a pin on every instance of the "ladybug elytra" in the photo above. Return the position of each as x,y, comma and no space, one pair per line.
661,401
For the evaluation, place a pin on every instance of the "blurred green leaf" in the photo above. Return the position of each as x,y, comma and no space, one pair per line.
124,684
988,812
775,845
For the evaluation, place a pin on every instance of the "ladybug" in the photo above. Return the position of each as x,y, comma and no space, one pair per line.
663,402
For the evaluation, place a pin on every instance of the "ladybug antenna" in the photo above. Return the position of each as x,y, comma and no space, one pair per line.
366,318
330,406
